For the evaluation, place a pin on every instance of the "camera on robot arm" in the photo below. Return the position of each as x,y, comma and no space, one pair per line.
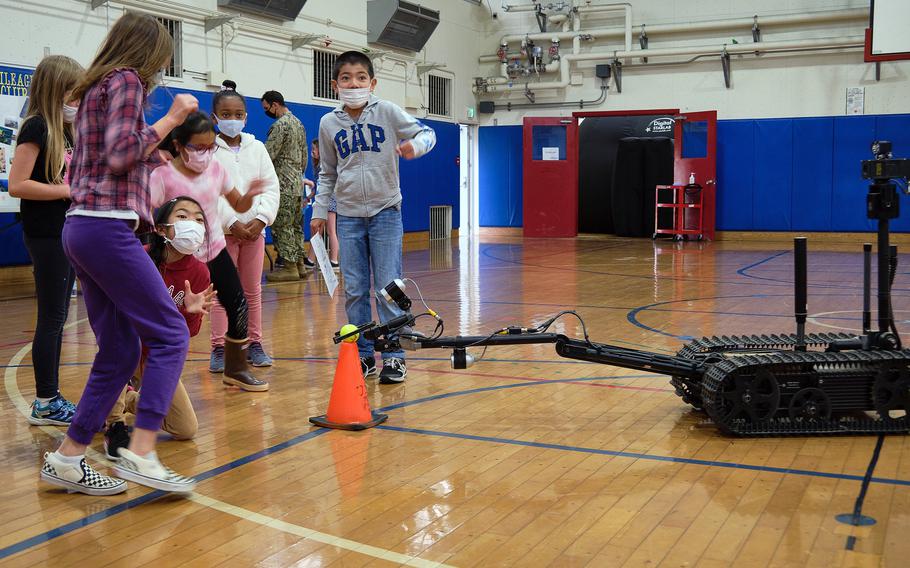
396,333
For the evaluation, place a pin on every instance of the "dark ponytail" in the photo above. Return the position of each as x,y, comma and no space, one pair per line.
228,90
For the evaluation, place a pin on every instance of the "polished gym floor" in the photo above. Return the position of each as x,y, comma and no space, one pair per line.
525,459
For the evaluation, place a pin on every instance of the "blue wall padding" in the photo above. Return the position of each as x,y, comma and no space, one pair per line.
851,142
735,165
12,249
813,160
432,179
783,174
773,175
500,175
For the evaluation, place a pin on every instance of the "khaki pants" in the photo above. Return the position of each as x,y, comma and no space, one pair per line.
180,420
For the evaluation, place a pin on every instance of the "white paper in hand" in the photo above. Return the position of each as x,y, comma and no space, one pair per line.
322,257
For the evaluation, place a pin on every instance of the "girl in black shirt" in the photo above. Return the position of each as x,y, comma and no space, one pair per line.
37,177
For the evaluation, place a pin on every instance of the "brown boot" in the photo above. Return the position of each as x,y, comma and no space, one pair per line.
287,274
237,369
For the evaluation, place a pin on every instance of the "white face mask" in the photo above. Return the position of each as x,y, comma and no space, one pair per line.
231,128
354,98
69,113
188,236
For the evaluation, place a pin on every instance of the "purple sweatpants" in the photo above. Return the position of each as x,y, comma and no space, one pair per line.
128,305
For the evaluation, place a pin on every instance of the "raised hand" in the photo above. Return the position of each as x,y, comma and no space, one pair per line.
245,201
199,303
182,106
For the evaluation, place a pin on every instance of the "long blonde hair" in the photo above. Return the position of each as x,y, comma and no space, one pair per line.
137,41
52,81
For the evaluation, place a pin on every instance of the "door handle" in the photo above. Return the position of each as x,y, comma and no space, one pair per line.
709,182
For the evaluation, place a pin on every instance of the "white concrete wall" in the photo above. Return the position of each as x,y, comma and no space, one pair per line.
256,58
804,84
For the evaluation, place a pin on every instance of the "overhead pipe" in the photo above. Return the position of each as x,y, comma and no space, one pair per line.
859,14
499,84
626,32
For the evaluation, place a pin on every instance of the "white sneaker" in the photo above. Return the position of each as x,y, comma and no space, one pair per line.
79,478
150,472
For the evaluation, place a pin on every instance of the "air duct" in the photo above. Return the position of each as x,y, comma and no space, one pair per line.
400,24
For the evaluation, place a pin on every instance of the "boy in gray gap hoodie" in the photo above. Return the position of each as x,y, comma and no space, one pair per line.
360,143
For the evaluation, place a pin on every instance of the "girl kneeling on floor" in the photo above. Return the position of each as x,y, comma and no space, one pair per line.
180,229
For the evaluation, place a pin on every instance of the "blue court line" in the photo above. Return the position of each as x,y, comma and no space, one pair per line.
742,271
135,502
632,316
652,457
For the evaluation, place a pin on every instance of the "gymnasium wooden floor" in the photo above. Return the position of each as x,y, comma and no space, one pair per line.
523,460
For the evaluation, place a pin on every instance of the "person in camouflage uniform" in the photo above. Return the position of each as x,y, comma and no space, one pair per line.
287,146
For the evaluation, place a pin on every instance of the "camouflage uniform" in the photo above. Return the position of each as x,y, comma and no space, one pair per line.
287,146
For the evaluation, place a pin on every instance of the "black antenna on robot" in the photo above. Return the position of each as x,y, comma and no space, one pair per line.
867,288
800,290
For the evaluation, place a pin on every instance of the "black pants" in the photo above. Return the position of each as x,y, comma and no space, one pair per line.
54,279
230,293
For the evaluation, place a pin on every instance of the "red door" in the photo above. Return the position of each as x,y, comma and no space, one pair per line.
550,189
695,152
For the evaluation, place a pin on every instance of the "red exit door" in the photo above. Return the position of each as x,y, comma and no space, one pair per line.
695,153
550,188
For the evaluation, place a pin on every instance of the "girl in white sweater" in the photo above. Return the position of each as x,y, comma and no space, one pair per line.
246,159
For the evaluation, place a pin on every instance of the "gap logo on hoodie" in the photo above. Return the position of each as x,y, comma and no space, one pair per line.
357,140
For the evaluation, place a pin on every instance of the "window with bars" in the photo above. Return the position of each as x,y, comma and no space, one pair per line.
439,96
323,61
174,27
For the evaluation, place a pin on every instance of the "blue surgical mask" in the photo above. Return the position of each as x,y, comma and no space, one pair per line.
231,128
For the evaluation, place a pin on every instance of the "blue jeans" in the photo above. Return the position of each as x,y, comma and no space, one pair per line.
365,243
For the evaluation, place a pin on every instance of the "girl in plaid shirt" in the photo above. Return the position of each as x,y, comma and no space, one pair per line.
125,298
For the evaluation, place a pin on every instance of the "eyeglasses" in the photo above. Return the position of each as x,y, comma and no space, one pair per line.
200,149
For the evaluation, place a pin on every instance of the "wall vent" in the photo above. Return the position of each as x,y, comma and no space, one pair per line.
400,24
280,9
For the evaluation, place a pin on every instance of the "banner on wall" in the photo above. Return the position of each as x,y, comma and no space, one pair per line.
14,83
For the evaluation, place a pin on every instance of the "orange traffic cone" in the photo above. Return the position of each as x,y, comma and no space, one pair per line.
349,408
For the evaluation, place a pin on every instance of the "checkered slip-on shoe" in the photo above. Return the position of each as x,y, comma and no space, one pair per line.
150,472
79,478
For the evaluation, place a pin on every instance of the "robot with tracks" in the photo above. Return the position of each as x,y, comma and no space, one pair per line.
749,385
